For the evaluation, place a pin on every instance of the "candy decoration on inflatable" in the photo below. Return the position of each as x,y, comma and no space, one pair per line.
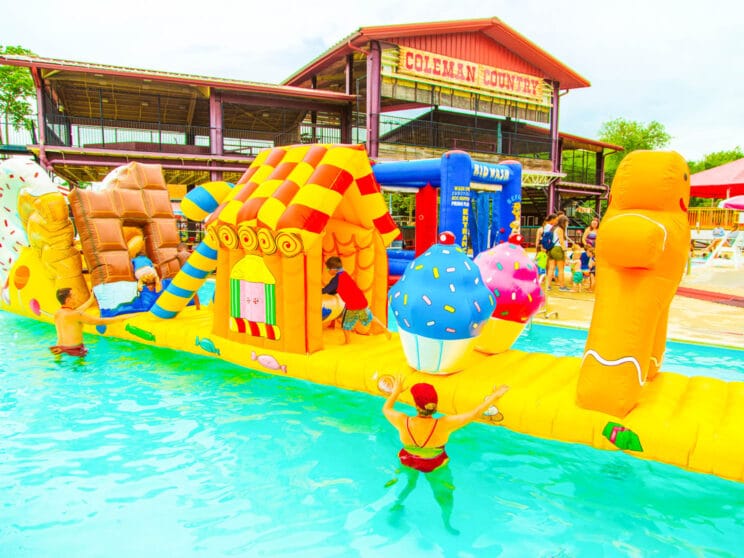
441,305
512,277
268,361
14,174
201,263
35,306
622,437
516,238
204,199
35,214
645,241
139,332
293,208
21,277
207,344
197,205
133,202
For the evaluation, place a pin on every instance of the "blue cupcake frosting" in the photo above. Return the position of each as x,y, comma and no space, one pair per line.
441,295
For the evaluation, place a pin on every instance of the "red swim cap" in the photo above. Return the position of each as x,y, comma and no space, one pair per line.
423,395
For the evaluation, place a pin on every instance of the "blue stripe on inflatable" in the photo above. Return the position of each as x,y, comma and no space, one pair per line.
206,251
195,272
178,291
160,313
202,199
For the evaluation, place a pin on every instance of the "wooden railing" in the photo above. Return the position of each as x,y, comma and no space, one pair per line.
711,217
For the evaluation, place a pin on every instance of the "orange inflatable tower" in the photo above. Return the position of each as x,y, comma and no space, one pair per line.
642,248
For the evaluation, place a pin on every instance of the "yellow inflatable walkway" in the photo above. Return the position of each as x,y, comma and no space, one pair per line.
694,423
268,239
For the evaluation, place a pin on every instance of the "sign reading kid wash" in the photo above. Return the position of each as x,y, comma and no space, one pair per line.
453,70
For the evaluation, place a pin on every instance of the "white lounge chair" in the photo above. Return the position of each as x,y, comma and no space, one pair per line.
729,252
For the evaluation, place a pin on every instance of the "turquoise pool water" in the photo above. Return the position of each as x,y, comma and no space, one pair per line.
139,451
682,358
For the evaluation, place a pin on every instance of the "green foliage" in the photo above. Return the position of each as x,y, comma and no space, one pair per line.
401,206
16,92
631,135
712,160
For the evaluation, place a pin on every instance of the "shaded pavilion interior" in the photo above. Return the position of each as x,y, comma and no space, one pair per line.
93,118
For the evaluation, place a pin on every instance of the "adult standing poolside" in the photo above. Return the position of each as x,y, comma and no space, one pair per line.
557,254
589,238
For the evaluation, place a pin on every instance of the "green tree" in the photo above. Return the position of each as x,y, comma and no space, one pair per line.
631,135
710,161
716,159
16,93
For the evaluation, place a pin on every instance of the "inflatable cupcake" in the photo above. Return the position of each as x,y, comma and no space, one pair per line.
512,277
440,304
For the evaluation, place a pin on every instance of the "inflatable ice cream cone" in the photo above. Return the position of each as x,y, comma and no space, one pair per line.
512,277
440,304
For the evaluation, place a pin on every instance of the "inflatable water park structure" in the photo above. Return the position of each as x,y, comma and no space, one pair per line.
268,236
479,202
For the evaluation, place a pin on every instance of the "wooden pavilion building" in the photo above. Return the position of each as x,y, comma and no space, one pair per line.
404,91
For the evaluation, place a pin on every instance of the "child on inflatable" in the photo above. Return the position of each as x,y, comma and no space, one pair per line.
142,267
357,307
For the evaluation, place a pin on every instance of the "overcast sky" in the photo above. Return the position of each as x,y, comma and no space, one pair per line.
680,63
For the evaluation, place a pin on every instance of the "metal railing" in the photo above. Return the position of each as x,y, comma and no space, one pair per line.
63,130
16,136
423,133
154,136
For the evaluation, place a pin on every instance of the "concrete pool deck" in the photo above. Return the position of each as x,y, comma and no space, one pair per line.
690,318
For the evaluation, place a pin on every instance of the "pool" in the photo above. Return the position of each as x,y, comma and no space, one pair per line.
683,358
140,451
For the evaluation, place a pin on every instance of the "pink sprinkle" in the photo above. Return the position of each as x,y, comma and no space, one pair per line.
477,306
450,330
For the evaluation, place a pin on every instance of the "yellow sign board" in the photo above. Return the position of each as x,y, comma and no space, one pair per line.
454,70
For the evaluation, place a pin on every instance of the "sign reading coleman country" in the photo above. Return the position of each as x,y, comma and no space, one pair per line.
444,68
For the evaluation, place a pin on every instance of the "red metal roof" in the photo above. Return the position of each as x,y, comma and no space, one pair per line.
493,28
172,77
719,182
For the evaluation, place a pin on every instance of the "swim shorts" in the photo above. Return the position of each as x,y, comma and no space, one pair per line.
351,317
73,350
